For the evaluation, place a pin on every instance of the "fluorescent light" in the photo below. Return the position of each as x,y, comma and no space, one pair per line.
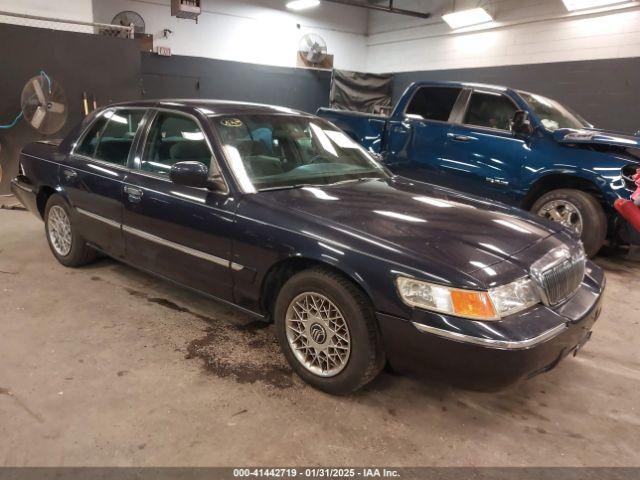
584,4
466,18
302,4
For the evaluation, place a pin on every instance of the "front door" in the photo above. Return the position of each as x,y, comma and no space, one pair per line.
182,233
484,156
94,173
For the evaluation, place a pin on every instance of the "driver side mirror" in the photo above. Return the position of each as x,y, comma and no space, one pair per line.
195,174
520,123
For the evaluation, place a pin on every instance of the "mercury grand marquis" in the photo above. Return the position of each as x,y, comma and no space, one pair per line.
282,215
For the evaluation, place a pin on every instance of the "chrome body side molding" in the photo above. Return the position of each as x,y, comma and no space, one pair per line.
161,241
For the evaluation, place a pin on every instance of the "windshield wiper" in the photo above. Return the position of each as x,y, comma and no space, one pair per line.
351,180
316,185
291,187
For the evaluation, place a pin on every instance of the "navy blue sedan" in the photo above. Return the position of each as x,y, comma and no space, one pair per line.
282,215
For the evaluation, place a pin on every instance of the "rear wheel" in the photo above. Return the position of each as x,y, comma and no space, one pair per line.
327,331
578,211
66,244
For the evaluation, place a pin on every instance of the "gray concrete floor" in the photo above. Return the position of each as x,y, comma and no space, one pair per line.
105,365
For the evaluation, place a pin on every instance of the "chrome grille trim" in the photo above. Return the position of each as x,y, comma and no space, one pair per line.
559,273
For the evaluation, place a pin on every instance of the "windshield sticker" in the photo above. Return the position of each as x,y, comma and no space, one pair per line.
231,122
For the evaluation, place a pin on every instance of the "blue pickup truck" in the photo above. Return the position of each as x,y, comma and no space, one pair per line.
513,146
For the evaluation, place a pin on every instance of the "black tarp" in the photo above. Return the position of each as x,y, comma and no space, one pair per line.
361,92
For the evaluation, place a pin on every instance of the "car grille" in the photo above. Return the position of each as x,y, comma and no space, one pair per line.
559,274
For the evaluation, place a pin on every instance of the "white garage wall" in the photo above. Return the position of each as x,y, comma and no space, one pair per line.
526,31
68,9
262,32
79,10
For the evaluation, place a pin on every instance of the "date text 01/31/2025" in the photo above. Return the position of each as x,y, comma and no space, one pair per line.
315,473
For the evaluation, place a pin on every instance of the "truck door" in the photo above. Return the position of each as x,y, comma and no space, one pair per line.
485,156
417,138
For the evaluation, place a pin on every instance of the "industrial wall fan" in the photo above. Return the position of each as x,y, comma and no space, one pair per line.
44,104
312,51
129,18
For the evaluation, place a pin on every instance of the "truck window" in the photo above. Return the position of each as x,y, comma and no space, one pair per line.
434,103
487,109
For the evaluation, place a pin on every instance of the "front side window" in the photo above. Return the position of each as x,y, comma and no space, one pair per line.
434,103
111,136
492,110
174,138
282,151
552,114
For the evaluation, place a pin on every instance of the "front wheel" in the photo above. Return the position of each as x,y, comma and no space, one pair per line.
66,244
327,331
578,211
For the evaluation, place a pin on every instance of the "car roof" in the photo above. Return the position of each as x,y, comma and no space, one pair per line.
210,107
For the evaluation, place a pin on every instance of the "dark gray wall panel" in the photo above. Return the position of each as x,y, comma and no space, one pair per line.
605,92
107,67
195,77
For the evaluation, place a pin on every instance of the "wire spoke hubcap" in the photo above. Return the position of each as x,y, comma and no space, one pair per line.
59,228
564,213
318,334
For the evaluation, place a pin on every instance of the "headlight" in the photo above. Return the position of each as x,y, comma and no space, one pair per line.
474,304
514,297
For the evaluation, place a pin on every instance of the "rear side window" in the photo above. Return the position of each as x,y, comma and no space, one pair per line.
174,138
111,136
117,137
491,110
90,141
434,103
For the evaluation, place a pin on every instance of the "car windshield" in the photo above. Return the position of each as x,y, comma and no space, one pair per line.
552,114
273,151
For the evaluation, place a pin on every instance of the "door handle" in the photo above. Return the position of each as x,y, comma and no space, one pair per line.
69,174
461,138
134,193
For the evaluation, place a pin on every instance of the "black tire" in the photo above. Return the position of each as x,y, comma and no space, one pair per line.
594,220
366,358
80,253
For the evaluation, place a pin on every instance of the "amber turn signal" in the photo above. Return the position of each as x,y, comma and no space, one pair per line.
472,304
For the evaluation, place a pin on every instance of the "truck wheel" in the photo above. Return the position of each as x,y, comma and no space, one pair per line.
69,248
327,331
578,211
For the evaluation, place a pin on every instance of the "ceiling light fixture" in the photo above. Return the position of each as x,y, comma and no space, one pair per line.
302,4
587,4
467,18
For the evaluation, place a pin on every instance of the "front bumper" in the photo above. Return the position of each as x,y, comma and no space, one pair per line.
492,355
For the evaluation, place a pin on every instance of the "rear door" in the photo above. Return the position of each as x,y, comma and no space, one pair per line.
94,173
417,140
485,155
183,233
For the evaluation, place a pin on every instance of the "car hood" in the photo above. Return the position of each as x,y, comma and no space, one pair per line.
414,223
596,137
